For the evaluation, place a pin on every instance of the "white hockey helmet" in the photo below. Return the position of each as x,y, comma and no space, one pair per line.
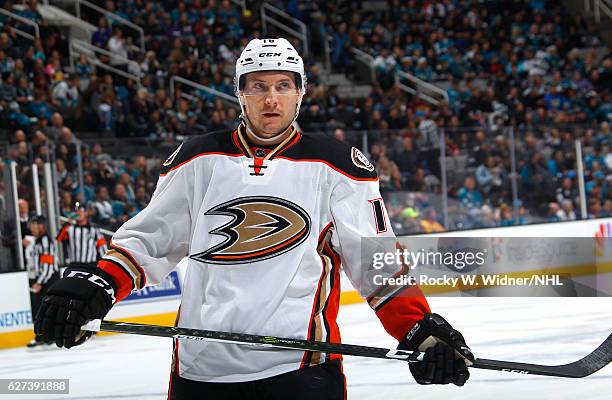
270,55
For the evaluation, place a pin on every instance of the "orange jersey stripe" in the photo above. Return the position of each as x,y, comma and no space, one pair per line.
120,276
333,301
399,314
315,306
133,260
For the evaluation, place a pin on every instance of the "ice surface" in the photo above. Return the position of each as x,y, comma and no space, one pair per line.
535,330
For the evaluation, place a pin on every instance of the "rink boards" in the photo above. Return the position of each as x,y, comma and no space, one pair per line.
158,305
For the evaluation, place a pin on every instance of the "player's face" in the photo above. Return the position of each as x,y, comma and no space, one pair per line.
270,99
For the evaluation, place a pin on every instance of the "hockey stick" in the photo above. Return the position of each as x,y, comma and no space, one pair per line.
593,362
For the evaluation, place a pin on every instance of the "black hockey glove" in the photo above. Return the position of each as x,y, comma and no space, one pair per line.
82,294
446,353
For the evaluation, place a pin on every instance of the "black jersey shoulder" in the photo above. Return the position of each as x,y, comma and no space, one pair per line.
341,156
213,142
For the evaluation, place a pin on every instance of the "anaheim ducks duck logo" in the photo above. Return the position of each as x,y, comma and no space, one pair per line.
262,227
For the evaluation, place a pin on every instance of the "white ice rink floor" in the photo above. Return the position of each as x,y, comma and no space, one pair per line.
535,330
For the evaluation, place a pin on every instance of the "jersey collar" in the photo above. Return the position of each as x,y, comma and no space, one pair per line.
239,138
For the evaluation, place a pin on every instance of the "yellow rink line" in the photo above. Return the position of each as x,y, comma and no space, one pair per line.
15,339
21,338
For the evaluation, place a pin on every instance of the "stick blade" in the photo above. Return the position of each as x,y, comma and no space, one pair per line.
593,362
599,358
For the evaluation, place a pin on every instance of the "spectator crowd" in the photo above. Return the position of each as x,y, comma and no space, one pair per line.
525,71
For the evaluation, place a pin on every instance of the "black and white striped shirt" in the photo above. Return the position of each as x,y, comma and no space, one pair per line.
84,244
45,260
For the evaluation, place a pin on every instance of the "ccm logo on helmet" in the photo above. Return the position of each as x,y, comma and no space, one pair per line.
261,227
270,54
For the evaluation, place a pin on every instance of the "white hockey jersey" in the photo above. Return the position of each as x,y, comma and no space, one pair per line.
266,231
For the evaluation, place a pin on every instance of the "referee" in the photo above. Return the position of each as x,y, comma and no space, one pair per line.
82,242
45,266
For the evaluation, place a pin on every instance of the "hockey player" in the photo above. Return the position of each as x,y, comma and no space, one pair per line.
267,215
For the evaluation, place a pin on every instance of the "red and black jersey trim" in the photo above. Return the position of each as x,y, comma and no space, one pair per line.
175,344
385,293
312,147
217,142
307,359
174,366
332,305
125,282
240,139
126,271
239,143
325,304
279,150
143,278
327,149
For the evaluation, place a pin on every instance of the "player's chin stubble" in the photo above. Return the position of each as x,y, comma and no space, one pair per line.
270,129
